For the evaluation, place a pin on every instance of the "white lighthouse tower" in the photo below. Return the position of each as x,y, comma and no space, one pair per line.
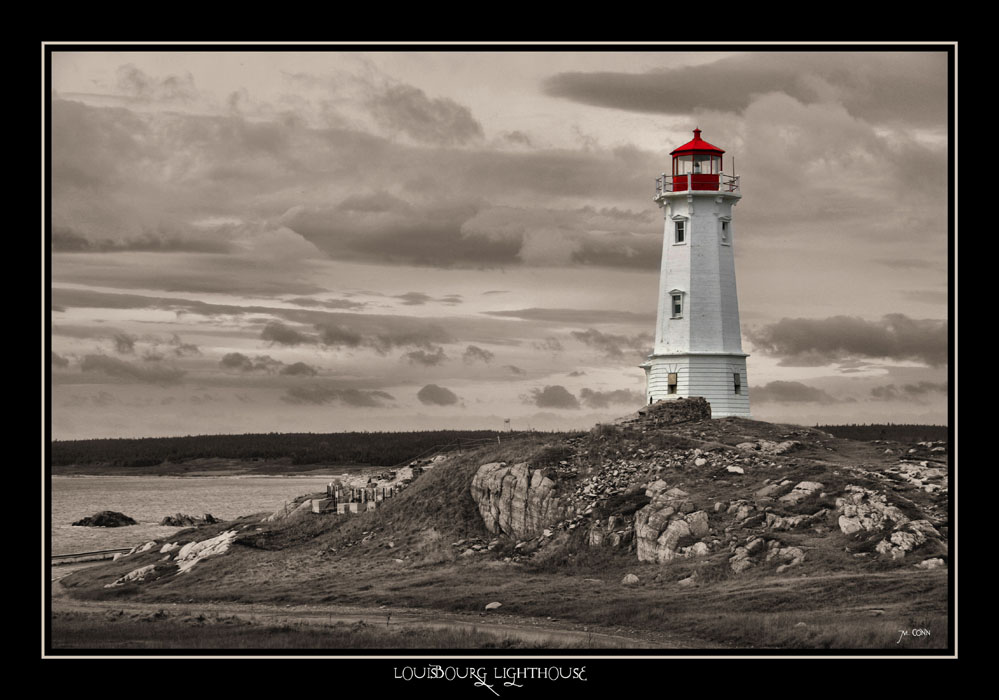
698,344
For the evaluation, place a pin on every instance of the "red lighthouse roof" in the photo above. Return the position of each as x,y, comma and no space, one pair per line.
697,145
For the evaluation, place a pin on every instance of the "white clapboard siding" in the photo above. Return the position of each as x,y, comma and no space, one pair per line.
703,345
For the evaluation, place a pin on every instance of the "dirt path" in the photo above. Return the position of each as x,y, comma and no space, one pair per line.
532,630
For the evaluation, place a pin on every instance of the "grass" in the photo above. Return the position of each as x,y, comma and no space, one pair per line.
164,631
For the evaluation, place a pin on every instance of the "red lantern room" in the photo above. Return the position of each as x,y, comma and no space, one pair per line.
697,165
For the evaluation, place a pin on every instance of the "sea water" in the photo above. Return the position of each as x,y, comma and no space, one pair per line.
148,499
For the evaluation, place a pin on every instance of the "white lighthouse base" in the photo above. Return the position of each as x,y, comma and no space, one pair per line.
707,375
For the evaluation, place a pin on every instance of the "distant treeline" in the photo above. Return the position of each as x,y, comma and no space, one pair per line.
376,449
889,431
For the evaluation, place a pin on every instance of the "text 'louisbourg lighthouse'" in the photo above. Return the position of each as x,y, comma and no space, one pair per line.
698,345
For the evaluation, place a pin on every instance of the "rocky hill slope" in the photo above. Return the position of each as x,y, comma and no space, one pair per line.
666,499
757,493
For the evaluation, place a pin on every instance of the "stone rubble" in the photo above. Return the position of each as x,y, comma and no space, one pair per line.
637,499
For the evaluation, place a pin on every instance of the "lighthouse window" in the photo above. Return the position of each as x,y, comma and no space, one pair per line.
671,383
680,232
677,305
724,232
737,382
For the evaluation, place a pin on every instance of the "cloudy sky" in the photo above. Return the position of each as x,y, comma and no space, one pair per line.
323,241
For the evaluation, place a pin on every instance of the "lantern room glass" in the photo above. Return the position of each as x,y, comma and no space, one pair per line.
697,163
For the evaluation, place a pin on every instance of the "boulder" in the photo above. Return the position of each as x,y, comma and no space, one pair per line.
193,552
907,537
629,580
133,576
863,509
106,518
516,500
493,605
182,520
655,488
801,491
659,528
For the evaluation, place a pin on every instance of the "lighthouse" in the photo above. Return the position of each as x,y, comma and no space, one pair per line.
698,342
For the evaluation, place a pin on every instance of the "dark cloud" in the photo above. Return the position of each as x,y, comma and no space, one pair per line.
135,83
473,353
65,240
904,86
59,361
299,369
400,233
603,399
243,363
908,392
107,153
124,343
553,397
514,369
614,346
518,137
552,345
577,373
435,395
408,110
380,332
323,394
609,236
337,336
427,359
328,303
575,316
419,298
424,336
414,298
814,342
789,392
182,349
119,369
277,332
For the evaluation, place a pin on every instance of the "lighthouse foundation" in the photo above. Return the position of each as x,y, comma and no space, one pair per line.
720,378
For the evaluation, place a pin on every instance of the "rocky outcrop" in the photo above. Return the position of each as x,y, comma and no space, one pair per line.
193,552
863,509
132,576
665,528
769,447
106,518
516,500
801,491
793,522
756,550
182,520
615,532
907,537
671,412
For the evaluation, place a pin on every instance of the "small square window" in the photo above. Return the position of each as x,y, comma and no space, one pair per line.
680,232
671,383
677,305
